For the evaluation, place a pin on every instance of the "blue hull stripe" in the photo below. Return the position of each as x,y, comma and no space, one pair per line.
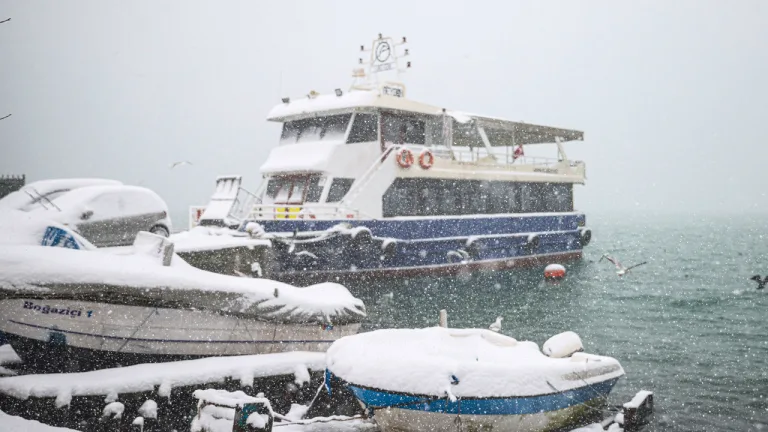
439,227
206,341
485,406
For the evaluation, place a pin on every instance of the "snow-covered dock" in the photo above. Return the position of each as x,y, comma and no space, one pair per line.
67,400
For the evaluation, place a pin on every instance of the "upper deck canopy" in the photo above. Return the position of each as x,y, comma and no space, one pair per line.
506,132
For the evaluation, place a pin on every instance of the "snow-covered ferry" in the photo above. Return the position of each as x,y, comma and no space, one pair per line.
370,183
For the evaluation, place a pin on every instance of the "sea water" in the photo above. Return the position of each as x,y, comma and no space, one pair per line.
689,325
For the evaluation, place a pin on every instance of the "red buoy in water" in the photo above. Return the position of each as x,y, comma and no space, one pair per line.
554,272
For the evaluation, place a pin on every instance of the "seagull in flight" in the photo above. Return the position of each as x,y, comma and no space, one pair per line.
496,326
760,283
621,270
179,163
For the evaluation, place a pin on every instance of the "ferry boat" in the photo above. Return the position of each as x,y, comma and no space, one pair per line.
368,183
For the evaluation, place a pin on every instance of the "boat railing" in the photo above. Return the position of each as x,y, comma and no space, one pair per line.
301,211
481,156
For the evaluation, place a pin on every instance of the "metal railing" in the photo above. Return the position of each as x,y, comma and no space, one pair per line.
480,156
301,211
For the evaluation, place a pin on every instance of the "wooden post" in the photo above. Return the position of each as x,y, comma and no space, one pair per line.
443,318
637,411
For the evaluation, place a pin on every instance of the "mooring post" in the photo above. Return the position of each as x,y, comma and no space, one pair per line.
443,318
637,411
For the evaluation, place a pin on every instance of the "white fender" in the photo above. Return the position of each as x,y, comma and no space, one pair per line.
562,345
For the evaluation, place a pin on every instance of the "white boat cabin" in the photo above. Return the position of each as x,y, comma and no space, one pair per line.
371,153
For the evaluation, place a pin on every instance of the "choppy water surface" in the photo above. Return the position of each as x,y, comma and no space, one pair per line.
689,326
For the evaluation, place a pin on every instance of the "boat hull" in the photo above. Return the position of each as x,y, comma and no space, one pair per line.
307,251
402,412
106,335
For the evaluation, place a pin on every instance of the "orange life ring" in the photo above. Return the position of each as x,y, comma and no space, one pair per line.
426,159
404,158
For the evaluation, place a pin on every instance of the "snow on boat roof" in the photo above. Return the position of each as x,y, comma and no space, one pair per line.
303,157
486,364
58,271
329,104
145,377
202,238
308,107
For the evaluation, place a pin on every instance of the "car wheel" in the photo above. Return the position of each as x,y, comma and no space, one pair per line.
160,230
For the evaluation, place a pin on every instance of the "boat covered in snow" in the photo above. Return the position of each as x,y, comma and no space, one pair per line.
409,378
89,307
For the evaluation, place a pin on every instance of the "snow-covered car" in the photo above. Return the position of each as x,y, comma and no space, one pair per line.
40,193
109,216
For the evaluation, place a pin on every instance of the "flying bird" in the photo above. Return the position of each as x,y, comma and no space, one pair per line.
760,283
179,163
496,326
621,270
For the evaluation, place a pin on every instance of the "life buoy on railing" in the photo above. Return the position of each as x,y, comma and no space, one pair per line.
404,158
426,159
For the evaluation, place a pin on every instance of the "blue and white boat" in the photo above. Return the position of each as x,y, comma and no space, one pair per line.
368,183
439,378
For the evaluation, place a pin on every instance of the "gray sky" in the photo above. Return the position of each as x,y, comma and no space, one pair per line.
672,96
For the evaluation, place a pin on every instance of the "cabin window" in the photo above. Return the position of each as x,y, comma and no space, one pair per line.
297,193
315,189
402,129
440,197
274,185
294,189
562,197
325,128
365,128
339,188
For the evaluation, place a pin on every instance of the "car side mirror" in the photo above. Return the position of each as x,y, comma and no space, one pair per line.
86,215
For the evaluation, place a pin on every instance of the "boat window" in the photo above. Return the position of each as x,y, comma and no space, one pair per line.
402,129
274,184
297,193
294,189
284,193
433,197
365,128
323,128
315,189
435,133
503,197
339,188
562,197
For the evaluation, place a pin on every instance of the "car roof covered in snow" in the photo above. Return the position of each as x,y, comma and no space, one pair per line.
29,192
85,194
47,185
